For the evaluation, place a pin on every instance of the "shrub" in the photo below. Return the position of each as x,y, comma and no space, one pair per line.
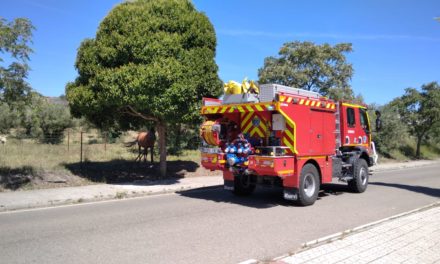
45,120
393,133
9,118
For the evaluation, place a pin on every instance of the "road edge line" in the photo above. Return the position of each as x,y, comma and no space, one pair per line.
110,198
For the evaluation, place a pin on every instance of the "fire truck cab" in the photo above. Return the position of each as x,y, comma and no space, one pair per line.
286,137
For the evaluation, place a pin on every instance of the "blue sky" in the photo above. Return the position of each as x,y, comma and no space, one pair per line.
396,43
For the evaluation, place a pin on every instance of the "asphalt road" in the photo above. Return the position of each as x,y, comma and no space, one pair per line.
206,225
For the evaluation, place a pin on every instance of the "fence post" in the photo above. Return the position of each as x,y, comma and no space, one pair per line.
81,148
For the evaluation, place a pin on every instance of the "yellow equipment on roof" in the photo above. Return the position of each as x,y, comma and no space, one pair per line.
233,87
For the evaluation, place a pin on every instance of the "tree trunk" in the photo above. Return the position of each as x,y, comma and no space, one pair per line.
419,143
161,130
178,137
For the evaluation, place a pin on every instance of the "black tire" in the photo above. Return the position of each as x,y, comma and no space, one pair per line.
243,185
360,177
308,185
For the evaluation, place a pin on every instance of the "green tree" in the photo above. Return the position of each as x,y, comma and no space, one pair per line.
321,68
15,38
54,119
433,138
420,111
152,60
44,120
393,132
9,117
30,120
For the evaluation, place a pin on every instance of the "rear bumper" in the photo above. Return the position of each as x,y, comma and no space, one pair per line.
281,166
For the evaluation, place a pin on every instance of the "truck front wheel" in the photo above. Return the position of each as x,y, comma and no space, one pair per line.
243,184
308,185
360,176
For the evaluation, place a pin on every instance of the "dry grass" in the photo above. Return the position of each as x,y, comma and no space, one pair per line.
27,163
29,152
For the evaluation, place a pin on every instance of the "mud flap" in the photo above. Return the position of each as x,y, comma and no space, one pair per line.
229,185
290,194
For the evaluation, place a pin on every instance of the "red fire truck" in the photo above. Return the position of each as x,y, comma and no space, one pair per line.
286,137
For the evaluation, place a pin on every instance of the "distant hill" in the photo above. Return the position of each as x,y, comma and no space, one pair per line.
57,100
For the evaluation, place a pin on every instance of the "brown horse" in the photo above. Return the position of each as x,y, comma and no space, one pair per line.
145,141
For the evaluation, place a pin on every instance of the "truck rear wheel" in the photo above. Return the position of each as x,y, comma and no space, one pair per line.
308,185
243,185
360,176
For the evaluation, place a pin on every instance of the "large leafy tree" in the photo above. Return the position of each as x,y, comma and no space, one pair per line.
321,68
15,38
420,111
393,131
151,60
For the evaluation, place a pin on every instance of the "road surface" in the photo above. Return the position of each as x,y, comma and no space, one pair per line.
205,225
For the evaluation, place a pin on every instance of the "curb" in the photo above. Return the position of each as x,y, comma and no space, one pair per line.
403,165
118,195
341,235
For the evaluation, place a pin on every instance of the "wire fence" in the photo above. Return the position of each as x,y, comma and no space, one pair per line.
76,158
69,147
96,155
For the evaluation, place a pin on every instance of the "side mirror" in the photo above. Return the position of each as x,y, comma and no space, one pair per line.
378,121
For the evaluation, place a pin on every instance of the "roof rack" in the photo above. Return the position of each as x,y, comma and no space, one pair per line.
268,92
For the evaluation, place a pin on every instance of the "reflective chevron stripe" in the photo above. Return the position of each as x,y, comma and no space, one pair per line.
253,125
242,108
288,137
306,102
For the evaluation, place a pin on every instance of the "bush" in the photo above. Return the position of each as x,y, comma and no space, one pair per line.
393,135
182,137
111,135
54,120
9,118
45,120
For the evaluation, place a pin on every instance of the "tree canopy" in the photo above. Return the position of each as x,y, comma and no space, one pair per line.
15,38
151,60
420,110
321,68
392,128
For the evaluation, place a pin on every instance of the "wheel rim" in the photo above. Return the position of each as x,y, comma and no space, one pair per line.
309,185
363,176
